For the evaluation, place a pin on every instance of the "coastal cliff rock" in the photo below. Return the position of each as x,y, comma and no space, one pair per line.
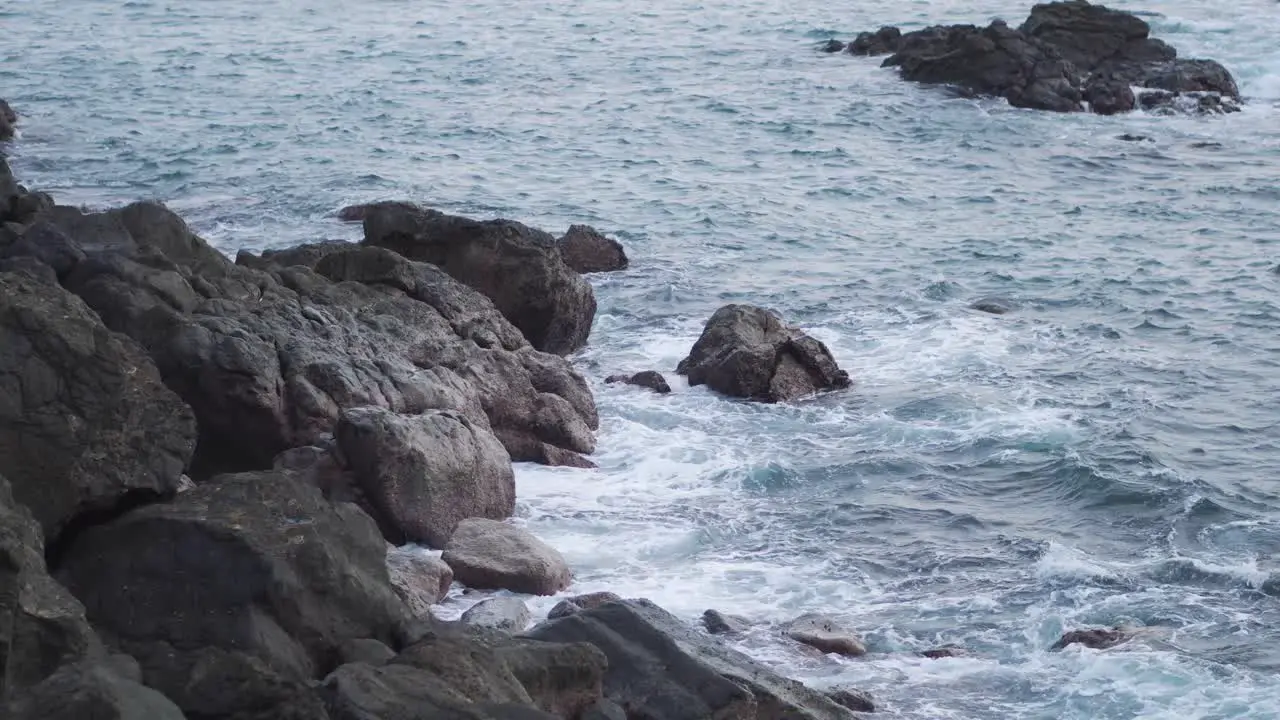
1064,54
748,352
517,267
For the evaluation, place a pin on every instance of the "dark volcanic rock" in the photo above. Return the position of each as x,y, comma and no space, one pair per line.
426,473
91,691
86,425
660,669
881,42
996,60
516,266
1108,96
1089,35
1098,639
748,352
41,625
257,562
646,379
993,306
586,250
832,46
269,359
717,623
826,634
486,554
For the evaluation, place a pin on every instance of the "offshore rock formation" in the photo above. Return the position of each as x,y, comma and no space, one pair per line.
1066,54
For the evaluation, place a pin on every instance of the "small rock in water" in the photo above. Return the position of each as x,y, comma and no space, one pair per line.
1272,586
578,603
825,634
832,46
947,651
1127,137
855,700
500,613
646,379
718,623
994,306
586,250
1098,639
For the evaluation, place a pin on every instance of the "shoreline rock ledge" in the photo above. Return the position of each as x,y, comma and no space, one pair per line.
1065,55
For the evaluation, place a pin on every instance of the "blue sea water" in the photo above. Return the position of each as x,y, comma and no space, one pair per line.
1106,453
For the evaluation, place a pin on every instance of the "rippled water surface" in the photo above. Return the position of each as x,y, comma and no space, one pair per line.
1106,453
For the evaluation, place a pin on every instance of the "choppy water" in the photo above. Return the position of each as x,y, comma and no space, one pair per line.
1107,453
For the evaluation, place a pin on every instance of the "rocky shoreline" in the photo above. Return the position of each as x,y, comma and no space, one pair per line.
1065,57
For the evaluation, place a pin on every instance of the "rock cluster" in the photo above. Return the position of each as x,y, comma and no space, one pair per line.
1065,55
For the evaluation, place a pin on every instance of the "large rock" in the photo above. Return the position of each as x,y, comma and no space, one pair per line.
508,614
41,625
485,554
516,266
1090,35
747,351
91,691
586,250
826,634
422,580
268,359
660,669
258,563
8,119
426,473
86,425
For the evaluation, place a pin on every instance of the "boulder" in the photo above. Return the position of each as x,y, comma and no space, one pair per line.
366,650
486,554
86,425
855,700
578,603
420,579
586,250
269,358
825,634
507,614
718,623
1089,35
46,243
832,46
42,626
748,352
947,651
519,268
881,42
993,306
646,379
8,119
660,669
1097,638
308,575
90,691
360,691
426,473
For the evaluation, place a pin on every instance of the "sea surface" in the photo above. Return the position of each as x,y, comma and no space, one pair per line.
1108,452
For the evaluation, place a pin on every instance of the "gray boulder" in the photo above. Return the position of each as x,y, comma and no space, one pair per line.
90,691
586,250
508,614
86,425
748,352
825,634
426,473
486,554
519,268
718,623
258,563
420,579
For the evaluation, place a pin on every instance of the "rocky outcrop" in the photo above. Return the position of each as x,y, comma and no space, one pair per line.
421,580
645,379
1065,54
508,614
86,425
519,268
825,634
586,250
424,474
258,563
268,359
660,669
748,352
41,625
485,554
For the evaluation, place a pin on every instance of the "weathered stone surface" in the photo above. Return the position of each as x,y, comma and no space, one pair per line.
825,634
507,614
646,379
486,554
426,473
41,625
718,623
420,579
88,690
86,425
258,563
748,352
586,250
660,669
516,266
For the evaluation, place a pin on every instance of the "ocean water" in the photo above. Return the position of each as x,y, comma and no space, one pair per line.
1106,453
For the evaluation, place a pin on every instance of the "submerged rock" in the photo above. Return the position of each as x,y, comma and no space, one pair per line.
947,651
490,555
718,623
646,379
993,306
586,250
825,634
748,352
1098,638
